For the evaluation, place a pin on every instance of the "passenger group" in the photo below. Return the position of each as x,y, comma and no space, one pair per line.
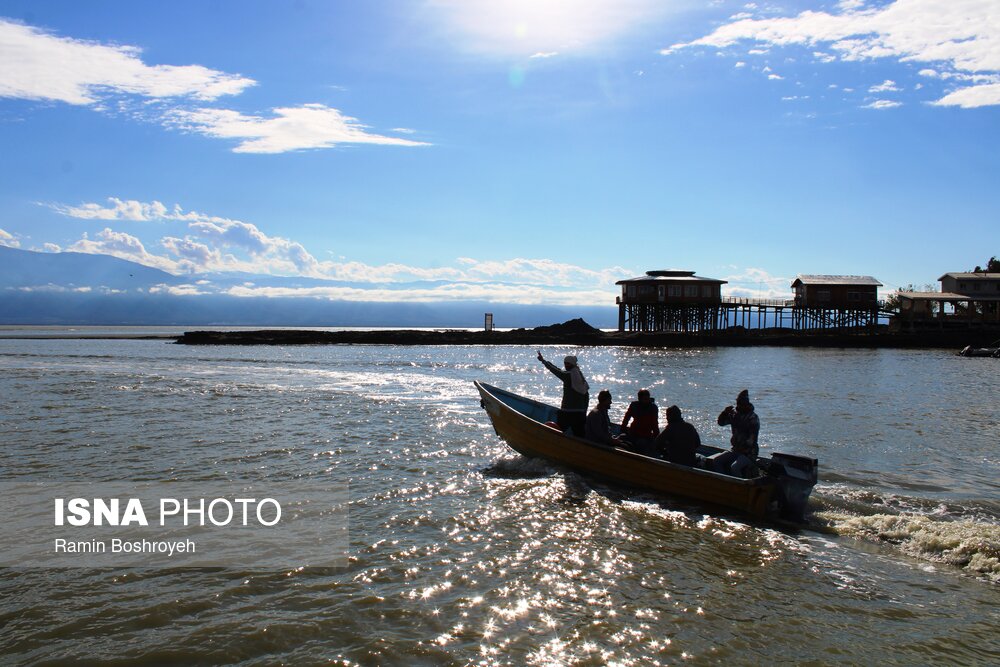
640,430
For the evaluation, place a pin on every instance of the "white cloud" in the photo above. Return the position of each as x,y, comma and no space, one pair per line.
293,128
883,104
545,54
197,257
751,282
179,290
216,244
972,97
261,253
519,28
960,36
494,292
37,65
124,246
118,210
8,239
887,86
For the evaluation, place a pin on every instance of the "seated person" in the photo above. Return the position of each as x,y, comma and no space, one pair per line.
741,460
679,440
598,426
645,426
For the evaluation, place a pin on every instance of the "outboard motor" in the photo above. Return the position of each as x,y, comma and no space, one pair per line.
795,477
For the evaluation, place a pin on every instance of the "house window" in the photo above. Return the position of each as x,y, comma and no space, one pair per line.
823,295
631,290
706,290
674,290
690,290
854,296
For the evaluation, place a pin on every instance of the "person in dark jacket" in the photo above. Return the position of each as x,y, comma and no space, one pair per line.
598,427
576,394
679,441
741,460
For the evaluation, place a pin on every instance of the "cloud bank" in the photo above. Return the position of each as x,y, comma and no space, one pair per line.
960,37
214,244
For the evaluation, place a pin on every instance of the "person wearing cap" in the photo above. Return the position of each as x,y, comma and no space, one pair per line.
576,395
679,441
742,458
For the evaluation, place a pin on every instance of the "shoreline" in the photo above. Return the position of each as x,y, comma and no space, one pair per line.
574,332
955,340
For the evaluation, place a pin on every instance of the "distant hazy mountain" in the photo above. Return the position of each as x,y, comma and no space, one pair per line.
76,288
24,268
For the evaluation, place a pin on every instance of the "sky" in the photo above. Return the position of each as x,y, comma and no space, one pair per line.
529,151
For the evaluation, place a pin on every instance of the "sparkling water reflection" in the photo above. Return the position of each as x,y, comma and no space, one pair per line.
463,552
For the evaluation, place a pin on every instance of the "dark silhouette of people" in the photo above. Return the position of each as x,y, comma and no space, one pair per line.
679,441
645,425
598,427
576,395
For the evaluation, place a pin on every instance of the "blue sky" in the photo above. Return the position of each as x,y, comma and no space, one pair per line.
517,151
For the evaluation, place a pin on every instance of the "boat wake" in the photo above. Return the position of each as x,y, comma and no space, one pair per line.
520,467
962,535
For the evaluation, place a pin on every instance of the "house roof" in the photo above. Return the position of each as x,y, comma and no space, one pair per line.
972,276
803,279
944,296
670,276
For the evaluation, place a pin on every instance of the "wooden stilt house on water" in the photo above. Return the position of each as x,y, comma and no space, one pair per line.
669,300
966,300
835,302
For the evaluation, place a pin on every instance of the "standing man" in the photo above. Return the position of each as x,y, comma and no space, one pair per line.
742,458
576,395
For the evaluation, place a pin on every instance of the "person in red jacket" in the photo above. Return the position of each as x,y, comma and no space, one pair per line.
641,422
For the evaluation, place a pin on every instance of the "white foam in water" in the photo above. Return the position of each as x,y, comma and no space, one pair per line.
971,545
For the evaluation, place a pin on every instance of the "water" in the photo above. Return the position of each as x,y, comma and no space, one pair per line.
461,552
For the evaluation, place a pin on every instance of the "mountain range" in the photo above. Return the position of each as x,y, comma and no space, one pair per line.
86,289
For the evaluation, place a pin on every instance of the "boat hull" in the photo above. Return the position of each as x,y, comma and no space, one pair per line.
530,436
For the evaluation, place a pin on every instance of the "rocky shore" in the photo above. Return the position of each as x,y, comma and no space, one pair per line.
578,332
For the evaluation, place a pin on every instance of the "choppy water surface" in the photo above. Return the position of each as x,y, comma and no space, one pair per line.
462,552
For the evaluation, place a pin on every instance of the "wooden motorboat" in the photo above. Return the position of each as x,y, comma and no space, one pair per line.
782,489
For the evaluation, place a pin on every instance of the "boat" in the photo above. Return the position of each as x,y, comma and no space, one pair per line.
992,351
781,490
